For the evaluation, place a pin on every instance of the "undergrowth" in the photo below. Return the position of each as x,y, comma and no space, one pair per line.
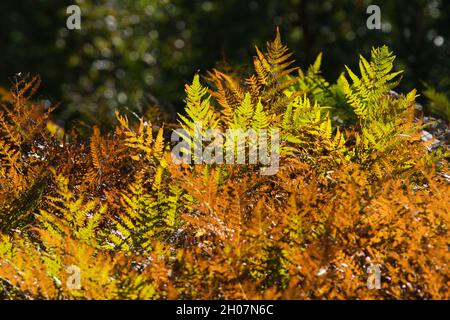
356,187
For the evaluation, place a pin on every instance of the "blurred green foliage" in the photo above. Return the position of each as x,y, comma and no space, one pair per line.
131,54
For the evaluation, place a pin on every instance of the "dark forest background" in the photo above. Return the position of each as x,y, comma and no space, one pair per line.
131,54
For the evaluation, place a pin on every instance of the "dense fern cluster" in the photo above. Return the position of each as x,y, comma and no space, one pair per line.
356,187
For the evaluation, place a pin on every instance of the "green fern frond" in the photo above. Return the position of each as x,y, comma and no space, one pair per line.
260,119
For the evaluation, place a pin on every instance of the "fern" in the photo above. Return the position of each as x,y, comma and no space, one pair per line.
355,186
440,103
260,118
198,109
376,80
64,210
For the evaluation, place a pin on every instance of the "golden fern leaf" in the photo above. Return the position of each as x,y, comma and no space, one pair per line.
95,148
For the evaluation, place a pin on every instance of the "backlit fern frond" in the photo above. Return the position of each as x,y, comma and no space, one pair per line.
244,113
198,109
260,118
148,214
376,80
65,210
142,140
